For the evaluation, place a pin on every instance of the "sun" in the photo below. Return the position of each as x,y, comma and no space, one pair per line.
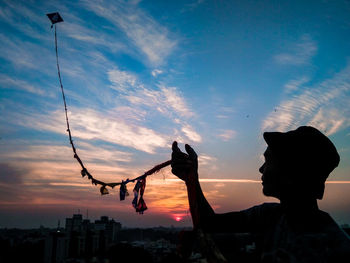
178,218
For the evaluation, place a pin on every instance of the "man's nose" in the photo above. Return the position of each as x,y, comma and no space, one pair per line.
261,169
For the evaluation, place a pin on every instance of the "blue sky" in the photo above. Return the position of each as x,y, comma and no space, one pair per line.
140,74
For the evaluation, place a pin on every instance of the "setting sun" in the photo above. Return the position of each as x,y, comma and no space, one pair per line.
178,217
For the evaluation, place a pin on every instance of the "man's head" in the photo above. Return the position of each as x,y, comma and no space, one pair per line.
297,162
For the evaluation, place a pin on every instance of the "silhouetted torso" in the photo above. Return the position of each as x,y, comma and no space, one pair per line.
308,236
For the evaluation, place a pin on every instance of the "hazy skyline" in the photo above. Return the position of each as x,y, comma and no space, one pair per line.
139,75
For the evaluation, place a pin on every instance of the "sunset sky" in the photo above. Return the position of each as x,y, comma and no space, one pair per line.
139,75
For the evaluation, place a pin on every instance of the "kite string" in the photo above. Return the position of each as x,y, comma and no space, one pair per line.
65,104
84,171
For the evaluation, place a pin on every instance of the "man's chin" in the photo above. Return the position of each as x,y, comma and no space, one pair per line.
265,192
268,191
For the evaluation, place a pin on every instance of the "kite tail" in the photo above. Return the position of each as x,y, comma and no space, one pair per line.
84,171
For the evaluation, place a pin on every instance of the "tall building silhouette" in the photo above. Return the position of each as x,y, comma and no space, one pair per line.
81,238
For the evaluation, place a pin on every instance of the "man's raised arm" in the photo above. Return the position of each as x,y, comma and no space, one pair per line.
185,166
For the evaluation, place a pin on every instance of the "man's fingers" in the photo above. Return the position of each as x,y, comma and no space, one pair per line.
180,168
185,162
175,147
191,152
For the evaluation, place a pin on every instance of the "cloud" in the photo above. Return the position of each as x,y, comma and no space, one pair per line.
11,181
22,54
295,84
130,113
156,72
299,53
10,174
205,160
48,174
58,153
173,197
191,6
191,134
88,124
77,29
12,83
324,106
330,120
227,135
14,14
174,100
219,180
225,112
151,38
123,125
121,80
166,100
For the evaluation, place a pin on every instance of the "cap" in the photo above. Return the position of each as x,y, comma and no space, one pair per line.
309,149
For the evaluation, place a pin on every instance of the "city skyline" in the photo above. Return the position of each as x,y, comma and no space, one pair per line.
139,75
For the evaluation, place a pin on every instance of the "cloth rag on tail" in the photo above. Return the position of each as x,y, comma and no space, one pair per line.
138,203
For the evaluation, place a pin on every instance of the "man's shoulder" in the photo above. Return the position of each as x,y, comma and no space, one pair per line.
270,206
262,214
332,240
333,229
264,208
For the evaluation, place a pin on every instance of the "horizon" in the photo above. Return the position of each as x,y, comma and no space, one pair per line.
139,75
59,225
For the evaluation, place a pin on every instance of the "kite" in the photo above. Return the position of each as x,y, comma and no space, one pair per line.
138,201
54,18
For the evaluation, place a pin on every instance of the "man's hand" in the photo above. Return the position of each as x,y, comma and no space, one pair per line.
184,166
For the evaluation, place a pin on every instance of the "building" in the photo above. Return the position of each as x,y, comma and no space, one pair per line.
110,227
81,239
56,247
74,223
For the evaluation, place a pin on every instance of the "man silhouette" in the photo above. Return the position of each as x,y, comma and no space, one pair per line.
297,164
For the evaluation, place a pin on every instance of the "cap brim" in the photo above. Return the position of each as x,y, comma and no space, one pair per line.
273,139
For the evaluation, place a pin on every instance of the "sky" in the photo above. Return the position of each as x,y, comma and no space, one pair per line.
139,75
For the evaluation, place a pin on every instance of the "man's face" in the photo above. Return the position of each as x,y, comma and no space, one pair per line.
274,181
